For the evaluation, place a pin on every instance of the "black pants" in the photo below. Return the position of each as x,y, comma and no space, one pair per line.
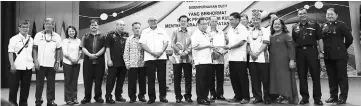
20,79
260,74
337,77
217,73
71,74
239,79
177,71
203,80
118,74
93,72
134,75
49,73
307,61
158,66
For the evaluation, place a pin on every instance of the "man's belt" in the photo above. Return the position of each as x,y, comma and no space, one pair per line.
307,46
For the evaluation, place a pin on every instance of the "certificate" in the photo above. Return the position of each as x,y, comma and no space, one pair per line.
219,40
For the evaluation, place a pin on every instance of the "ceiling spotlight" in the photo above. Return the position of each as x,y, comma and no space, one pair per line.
318,5
306,7
114,14
103,16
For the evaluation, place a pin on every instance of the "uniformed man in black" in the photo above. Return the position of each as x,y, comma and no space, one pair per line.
307,36
115,43
93,47
337,39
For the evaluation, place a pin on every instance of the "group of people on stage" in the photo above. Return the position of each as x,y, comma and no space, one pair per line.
269,54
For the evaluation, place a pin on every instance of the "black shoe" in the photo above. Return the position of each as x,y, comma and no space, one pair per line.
22,104
257,101
318,102
213,97
234,100
221,98
51,104
38,103
210,101
75,101
150,101
142,99
109,100
203,102
164,100
304,101
189,100
244,101
99,100
178,100
267,102
120,99
131,101
85,101
280,99
70,103
341,101
331,100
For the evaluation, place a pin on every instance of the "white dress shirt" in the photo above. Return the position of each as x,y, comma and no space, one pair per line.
256,38
47,45
154,39
203,56
235,35
71,47
24,60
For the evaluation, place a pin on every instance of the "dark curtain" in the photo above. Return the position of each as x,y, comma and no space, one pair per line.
8,29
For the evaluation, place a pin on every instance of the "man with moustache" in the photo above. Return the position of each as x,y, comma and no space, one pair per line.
93,46
115,42
307,36
237,55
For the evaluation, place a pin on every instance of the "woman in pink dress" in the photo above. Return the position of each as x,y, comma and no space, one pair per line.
282,64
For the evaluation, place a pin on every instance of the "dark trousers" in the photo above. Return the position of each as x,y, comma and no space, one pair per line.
337,77
177,71
260,73
71,74
203,80
20,79
118,74
307,61
239,79
49,73
134,75
158,66
91,73
217,73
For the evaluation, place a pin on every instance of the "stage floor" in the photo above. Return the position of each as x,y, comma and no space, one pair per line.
354,98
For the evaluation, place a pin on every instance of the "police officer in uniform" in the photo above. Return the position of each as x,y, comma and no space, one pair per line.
307,35
337,39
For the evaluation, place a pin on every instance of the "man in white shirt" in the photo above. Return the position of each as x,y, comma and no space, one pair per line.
218,53
201,52
258,41
21,61
47,46
154,41
237,55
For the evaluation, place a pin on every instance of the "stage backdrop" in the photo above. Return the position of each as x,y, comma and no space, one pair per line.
167,13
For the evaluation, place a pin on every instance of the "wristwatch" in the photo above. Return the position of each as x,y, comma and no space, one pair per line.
322,52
